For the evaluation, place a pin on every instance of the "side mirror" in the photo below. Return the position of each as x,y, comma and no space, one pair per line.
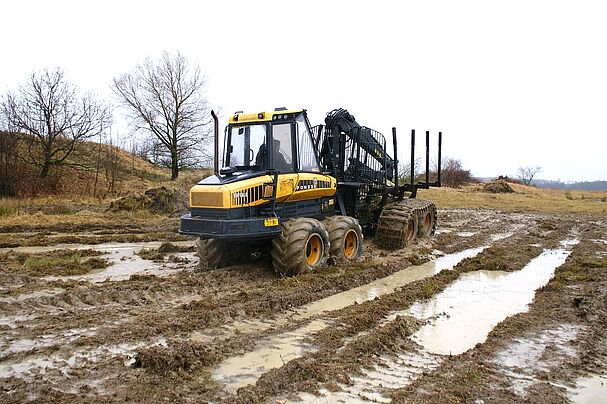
227,171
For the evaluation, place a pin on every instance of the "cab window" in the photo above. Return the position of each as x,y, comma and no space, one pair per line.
307,155
246,148
282,154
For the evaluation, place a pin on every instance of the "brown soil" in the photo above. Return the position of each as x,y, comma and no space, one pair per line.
166,248
498,187
153,338
155,200
575,296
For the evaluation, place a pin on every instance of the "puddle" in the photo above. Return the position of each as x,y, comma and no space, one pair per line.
388,284
245,369
460,317
501,236
338,301
23,345
467,234
39,364
100,247
463,314
123,258
527,356
33,295
12,321
589,390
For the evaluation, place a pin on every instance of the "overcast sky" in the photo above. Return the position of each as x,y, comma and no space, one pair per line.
510,83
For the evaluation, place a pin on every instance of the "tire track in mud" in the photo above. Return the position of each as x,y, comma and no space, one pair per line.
535,356
144,308
333,361
190,360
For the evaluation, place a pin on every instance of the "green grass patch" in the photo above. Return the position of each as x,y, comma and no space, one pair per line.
59,262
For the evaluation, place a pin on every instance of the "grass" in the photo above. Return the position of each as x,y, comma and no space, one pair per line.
41,219
10,206
59,262
43,212
524,199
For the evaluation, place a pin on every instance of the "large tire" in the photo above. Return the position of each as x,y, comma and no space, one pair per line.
397,227
212,253
303,246
346,238
427,222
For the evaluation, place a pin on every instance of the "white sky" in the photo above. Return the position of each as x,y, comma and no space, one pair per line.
510,83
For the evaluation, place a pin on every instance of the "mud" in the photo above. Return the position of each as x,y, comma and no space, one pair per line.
155,200
497,187
463,314
150,327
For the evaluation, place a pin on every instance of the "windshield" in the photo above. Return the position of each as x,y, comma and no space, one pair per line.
246,147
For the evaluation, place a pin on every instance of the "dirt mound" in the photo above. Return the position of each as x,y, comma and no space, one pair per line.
155,200
498,187
165,249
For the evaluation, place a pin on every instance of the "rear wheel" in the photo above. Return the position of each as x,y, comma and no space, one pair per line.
346,238
397,227
303,246
427,222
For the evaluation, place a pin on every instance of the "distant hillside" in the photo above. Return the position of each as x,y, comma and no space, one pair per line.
92,170
582,185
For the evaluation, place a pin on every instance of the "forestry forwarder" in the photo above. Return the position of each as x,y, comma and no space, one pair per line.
310,193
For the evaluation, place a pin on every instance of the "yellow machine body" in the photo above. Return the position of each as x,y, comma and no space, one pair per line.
255,191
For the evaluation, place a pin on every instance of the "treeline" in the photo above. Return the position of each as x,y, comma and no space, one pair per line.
581,185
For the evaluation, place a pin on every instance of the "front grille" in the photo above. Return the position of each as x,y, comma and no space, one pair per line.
247,196
206,198
211,213
312,184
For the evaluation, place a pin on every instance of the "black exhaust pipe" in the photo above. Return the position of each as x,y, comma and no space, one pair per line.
216,132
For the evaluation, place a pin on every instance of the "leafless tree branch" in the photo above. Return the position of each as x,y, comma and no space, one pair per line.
527,173
51,118
166,99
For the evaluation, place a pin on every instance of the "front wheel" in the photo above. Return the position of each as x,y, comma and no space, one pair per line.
303,246
212,253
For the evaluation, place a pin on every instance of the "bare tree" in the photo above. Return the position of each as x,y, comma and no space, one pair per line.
50,118
527,173
404,170
166,99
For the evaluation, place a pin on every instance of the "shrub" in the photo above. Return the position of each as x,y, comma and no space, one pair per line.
453,173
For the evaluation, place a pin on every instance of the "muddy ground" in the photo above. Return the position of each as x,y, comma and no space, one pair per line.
496,307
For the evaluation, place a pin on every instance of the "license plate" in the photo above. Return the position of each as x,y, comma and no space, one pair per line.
270,222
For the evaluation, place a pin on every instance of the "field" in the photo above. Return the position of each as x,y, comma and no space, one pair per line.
507,303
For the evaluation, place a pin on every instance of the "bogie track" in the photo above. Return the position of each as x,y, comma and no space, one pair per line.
400,223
